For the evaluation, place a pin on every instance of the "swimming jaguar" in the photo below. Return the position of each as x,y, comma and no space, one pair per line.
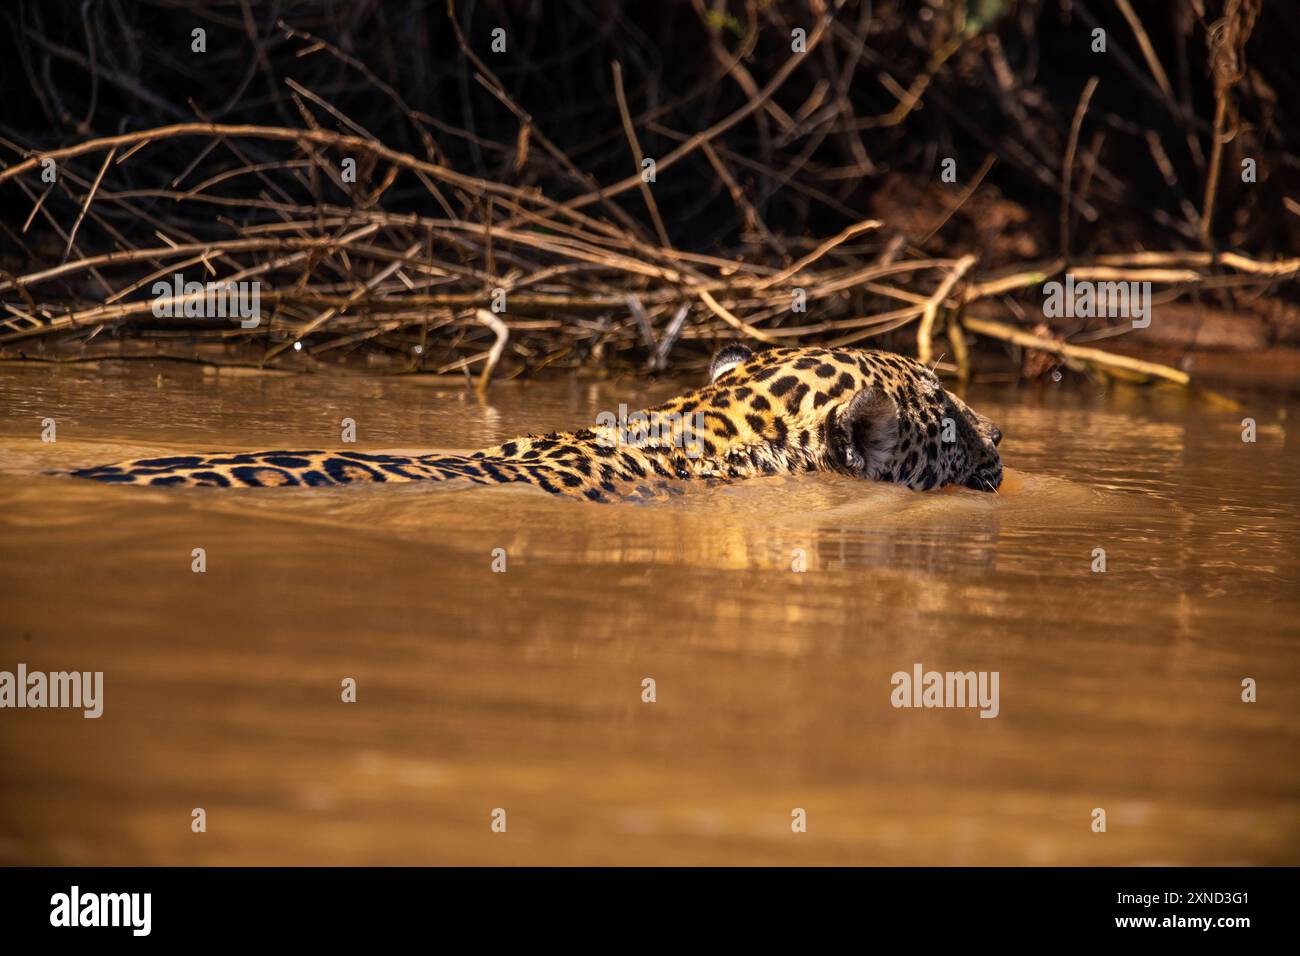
861,412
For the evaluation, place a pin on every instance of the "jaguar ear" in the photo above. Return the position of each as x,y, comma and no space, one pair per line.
727,359
866,433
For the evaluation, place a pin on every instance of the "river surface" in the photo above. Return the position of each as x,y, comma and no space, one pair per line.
522,690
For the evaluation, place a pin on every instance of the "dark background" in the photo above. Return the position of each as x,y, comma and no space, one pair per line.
77,70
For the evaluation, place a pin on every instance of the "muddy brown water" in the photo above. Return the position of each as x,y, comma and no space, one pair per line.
523,690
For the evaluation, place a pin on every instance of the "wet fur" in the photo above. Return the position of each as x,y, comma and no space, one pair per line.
871,414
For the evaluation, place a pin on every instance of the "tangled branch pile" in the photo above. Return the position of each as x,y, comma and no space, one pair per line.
619,190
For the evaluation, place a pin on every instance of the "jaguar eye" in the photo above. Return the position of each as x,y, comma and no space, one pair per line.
997,436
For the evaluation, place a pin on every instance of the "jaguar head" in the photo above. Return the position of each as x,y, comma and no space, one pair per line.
872,414
905,427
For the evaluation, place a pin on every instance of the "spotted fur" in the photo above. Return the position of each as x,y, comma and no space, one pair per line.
860,412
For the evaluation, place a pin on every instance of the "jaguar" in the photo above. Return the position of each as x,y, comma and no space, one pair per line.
861,412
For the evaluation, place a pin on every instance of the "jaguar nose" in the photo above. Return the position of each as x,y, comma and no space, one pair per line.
997,436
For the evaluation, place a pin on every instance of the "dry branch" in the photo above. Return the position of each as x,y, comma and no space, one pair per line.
414,256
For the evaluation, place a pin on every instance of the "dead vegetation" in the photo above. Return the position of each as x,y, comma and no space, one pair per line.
494,218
